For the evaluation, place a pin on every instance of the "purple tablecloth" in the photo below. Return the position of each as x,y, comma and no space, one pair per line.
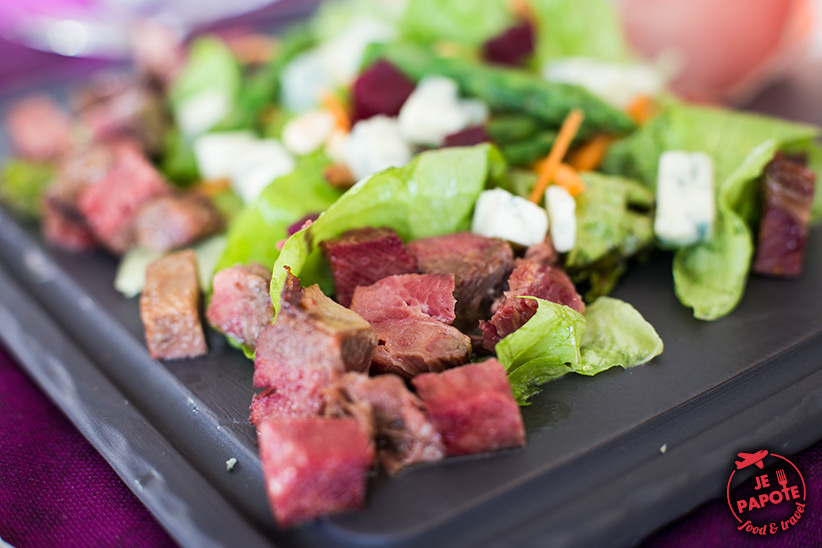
56,490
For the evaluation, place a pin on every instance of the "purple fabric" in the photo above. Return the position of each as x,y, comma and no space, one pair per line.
55,489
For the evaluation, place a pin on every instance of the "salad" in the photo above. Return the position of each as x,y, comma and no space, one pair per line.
409,214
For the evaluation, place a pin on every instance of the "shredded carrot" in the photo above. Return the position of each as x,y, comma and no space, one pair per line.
338,110
589,156
568,178
641,109
548,170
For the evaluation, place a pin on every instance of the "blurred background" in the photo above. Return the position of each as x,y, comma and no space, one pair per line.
725,50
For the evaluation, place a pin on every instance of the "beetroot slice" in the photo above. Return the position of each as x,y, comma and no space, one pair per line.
512,47
382,89
467,137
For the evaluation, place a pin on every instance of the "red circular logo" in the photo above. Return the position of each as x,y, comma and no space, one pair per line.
770,501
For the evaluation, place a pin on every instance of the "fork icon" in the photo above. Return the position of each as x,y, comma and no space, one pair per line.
780,477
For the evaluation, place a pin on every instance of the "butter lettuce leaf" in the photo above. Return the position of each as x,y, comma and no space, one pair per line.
463,21
22,185
616,335
544,349
710,276
432,195
614,223
579,28
558,340
254,233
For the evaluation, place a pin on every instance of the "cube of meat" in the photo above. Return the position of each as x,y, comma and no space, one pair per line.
413,346
311,343
783,232
278,404
170,222
533,279
480,267
473,408
63,224
314,466
38,128
404,433
169,308
241,303
363,256
110,206
411,314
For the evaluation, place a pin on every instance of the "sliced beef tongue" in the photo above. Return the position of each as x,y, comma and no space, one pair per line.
271,403
480,267
38,128
240,304
404,433
411,314
533,279
311,343
314,466
174,221
110,206
169,308
543,252
783,231
363,256
473,408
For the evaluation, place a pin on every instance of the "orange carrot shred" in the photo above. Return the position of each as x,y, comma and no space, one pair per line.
338,110
522,10
213,187
569,179
641,109
548,170
589,156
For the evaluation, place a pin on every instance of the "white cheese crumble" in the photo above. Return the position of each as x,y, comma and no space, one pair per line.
500,214
685,198
249,163
307,132
434,110
562,209
374,145
617,84
230,463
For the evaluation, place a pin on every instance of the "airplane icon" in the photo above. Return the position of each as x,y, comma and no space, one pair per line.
751,458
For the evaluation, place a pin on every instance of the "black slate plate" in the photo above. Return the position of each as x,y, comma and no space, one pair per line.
593,473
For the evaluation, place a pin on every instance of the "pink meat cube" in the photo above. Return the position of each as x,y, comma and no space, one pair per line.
277,404
473,408
314,466
363,256
38,128
111,205
241,303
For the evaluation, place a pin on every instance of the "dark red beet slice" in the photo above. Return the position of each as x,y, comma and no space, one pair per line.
512,47
467,137
296,227
382,89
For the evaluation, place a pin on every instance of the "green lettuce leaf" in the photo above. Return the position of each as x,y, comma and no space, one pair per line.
710,276
211,70
544,349
22,184
254,233
579,28
616,334
332,18
464,21
508,90
815,165
432,195
614,223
